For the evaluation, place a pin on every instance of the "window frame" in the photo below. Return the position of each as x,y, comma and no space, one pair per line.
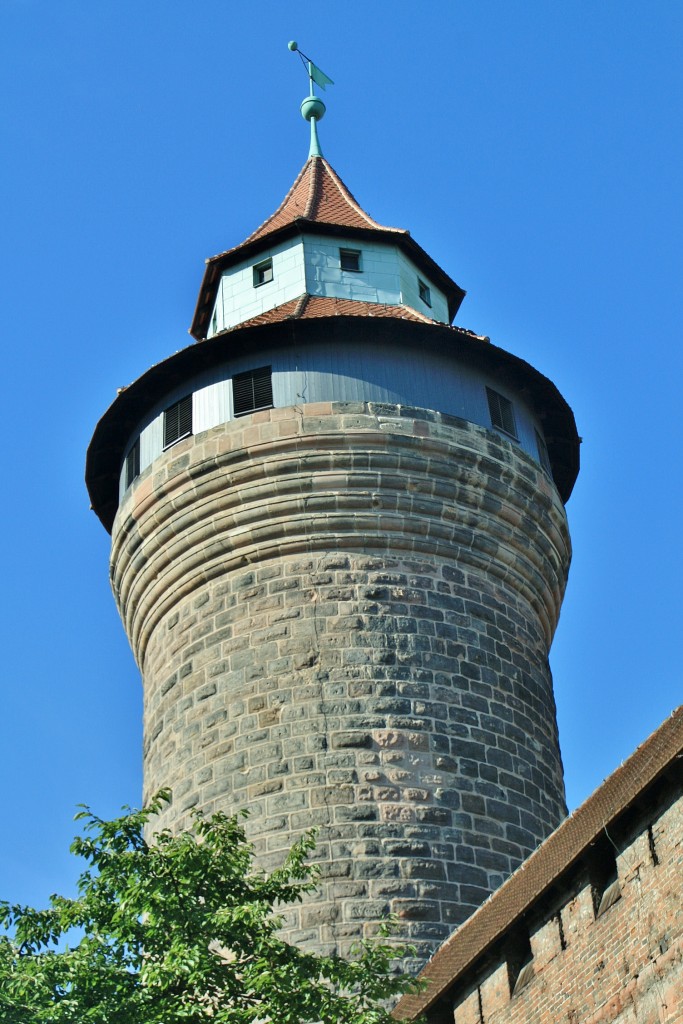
131,464
497,412
260,380
425,292
181,411
261,271
520,961
603,877
543,453
352,255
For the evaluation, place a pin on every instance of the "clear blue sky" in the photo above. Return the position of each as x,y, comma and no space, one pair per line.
534,149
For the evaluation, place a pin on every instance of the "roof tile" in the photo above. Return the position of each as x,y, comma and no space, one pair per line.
318,195
308,307
318,201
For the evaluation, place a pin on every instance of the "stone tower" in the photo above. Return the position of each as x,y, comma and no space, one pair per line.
339,550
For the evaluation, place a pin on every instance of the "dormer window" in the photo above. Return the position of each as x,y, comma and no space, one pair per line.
502,413
263,273
349,259
425,293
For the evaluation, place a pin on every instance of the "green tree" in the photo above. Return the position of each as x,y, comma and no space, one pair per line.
182,928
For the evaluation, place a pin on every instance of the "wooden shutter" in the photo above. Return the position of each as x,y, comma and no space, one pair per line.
132,463
502,413
178,421
252,390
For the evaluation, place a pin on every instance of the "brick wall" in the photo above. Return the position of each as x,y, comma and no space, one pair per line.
342,614
621,967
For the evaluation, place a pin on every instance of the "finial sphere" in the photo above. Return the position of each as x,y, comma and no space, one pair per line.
312,106
293,45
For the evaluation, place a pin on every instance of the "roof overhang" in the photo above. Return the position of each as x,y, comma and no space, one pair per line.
123,417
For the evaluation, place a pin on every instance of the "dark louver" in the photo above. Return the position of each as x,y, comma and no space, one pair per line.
178,421
132,463
252,390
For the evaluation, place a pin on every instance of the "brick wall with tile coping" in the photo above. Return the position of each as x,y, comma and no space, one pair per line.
342,614
623,967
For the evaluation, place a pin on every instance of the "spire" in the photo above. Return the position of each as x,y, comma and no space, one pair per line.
319,196
319,204
312,107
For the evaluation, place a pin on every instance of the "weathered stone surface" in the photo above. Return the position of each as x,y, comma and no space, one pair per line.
346,624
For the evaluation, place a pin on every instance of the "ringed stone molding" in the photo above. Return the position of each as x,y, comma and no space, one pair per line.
284,481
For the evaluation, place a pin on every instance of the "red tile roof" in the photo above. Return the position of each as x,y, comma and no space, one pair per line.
319,195
318,202
307,307
662,751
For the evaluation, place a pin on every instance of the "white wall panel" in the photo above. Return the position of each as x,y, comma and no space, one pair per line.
312,264
210,406
238,300
411,294
151,442
377,281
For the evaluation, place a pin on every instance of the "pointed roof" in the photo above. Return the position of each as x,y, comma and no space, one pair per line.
319,195
318,202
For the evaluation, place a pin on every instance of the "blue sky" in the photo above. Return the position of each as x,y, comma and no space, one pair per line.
534,150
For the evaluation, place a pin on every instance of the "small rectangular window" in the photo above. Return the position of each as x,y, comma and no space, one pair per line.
349,259
608,898
425,293
526,974
502,413
520,962
178,421
543,456
263,273
604,879
252,390
132,464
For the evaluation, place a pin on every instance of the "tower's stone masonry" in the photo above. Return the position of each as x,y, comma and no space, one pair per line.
342,614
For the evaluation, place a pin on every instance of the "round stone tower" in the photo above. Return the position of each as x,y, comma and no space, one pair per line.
339,550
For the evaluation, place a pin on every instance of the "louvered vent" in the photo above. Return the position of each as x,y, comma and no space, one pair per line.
502,413
252,390
543,456
132,464
178,421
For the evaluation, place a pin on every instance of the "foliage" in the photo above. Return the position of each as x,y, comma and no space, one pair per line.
181,929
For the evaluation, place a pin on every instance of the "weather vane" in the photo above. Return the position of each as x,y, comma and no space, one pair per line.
312,108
